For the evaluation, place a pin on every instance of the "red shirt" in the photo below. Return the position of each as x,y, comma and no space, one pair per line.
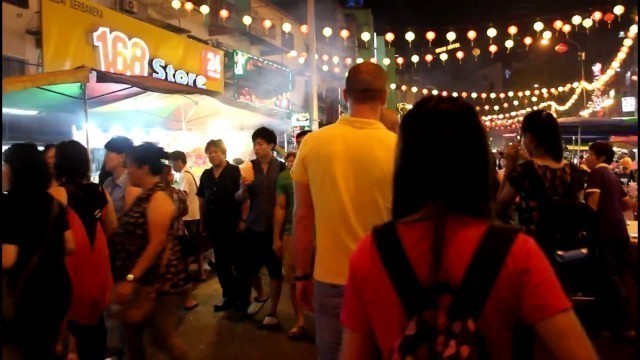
526,288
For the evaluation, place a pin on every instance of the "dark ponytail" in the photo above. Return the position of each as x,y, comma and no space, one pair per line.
151,155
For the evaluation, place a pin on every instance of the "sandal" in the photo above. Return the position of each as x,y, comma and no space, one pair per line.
270,322
297,333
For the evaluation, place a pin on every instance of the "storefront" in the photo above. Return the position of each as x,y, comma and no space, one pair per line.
148,84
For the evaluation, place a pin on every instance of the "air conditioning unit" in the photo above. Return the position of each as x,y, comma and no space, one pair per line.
129,6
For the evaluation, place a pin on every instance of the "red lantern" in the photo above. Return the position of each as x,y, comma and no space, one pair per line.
562,48
609,17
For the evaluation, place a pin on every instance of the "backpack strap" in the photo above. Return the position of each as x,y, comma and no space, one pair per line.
483,270
413,296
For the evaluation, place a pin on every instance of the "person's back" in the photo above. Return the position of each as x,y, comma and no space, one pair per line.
526,289
349,167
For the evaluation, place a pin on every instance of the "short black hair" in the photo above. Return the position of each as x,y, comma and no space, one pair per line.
178,156
424,131
149,154
72,162
603,149
266,134
119,145
29,170
543,128
302,134
218,144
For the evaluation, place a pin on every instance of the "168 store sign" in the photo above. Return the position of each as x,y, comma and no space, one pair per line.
131,56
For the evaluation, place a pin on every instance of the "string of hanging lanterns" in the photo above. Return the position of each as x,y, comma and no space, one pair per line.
188,5
497,120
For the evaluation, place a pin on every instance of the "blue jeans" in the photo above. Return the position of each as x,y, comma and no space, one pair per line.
327,301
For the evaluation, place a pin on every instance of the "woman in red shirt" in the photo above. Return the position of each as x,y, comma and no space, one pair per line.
525,290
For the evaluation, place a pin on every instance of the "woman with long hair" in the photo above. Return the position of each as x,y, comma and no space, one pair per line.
441,227
35,239
545,175
147,254
92,219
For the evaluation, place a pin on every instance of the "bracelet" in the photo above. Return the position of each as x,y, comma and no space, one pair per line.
302,277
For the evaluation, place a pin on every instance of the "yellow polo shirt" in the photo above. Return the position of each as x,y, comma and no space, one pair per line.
349,168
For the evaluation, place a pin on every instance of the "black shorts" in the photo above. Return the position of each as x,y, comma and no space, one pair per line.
258,247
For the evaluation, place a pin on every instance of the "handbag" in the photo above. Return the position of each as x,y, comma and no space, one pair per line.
143,300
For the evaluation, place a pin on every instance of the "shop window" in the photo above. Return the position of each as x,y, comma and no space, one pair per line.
13,66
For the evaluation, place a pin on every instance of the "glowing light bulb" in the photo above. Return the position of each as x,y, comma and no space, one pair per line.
188,6
430,36
491,33
451,36
327,32
410,36
176,4
286,27
204,9
386,61
471,35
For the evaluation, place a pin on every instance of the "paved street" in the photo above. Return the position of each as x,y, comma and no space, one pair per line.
215,336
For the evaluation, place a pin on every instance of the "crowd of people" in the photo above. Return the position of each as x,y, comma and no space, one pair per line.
393,258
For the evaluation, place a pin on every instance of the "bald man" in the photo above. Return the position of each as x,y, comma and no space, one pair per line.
342,188
389,118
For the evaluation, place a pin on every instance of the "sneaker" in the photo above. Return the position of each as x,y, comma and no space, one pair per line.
257,305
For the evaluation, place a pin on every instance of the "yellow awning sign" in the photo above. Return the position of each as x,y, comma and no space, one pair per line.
106,40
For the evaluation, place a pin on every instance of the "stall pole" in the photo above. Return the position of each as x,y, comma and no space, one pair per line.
579,140
311,21
86,116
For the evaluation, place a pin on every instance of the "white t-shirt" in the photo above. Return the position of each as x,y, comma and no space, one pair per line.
189,185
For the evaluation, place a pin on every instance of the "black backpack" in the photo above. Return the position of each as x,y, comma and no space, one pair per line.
442,319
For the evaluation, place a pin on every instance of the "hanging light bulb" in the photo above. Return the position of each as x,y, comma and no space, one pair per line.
247,20
460,55
292,54
410,36
325,57
267,24
389,37
627,42
325,67
415,59
618,10
566,29
327,32
414,89
430,36
451,36
188,6
508,44
491,33
558,26
176,4
386,61
587,23
576,20
373,60
400,61
286,28
425,92
596,16
348,61
392,86
492,49
443,57
359,60
547,35
512,30
471,35
475,53
335,60
403,87
304,29
538,26
527,41
365,36
344,34
428,58
204,9
301,60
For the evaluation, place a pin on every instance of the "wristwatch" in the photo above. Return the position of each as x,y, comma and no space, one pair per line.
130,278
304,277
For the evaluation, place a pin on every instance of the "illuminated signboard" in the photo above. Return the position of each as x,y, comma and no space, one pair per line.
105,39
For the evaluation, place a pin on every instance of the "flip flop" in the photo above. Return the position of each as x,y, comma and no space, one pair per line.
259,305
298,333
192,306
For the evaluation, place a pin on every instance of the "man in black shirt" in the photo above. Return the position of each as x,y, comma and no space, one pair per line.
257,240
221,217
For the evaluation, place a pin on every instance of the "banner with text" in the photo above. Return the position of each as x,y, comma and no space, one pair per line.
81,33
